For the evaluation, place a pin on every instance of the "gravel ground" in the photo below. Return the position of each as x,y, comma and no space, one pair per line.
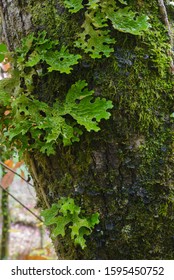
26,237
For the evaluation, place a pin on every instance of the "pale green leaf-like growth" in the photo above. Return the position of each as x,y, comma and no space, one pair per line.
61,61
93,4
95,38
40,49
127,21
84,108
66,214
36,125
73,5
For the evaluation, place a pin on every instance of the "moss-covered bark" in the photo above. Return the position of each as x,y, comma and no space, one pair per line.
125,171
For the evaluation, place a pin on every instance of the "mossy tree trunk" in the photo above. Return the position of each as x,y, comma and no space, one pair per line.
125,171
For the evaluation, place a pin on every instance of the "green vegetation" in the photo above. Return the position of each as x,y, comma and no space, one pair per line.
96,39
126,61
3,51
31,119
32,124
67,215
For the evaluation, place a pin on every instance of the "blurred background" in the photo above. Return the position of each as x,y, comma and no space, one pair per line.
22,235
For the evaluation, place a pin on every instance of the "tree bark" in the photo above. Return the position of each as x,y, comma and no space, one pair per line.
125,171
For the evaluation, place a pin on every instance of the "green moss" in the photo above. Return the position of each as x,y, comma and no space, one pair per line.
125,171
46,18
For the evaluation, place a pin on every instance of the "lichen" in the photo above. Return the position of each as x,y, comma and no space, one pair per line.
125,171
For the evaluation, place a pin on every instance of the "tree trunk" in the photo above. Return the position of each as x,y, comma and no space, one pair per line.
125,171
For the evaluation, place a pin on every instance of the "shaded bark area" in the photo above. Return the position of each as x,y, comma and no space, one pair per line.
16,22
125,171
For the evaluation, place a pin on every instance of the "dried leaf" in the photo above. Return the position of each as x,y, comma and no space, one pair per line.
7,179
7,112
18,164
9,163
26,257
5,66
22,175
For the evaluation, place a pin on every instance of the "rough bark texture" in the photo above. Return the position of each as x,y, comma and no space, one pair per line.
125,172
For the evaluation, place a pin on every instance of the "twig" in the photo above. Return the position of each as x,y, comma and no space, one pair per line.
4,27
34,172
164,16
4,165
22,204
165,19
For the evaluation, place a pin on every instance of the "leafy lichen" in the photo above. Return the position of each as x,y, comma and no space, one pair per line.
96,39
125,171
66,214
